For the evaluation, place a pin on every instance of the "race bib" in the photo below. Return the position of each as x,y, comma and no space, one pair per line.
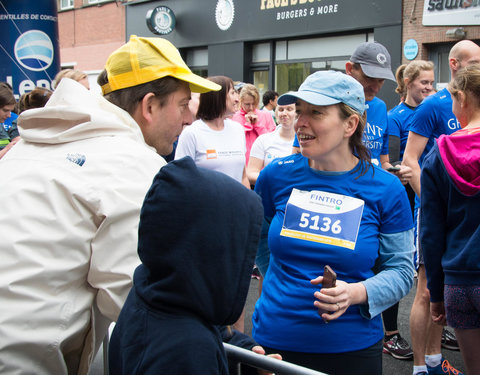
319,216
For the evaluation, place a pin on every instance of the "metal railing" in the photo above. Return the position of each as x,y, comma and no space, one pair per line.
239,356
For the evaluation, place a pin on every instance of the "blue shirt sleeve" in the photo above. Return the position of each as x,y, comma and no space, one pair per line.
393,125
395,273
295,141
424,118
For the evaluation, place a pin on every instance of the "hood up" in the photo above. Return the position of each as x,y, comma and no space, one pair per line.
460,153
198,237
74,113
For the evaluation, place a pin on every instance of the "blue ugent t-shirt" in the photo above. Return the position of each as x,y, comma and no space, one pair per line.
399,119
312,227
433,118
375,135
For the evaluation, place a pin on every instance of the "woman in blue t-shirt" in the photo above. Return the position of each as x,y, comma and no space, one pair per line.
414,83
330,206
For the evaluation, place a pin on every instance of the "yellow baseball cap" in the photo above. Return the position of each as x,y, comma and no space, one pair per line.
143,60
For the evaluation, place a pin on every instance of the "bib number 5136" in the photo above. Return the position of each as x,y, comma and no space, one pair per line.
312,222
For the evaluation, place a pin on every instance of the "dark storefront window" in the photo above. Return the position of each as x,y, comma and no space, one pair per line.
289,76
296,59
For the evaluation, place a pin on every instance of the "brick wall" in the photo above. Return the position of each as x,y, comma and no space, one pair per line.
88,34
425,35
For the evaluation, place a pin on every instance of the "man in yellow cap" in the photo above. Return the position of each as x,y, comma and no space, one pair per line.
71,203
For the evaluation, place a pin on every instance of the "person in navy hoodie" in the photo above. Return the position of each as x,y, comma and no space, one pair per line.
450,220
198,236
432,118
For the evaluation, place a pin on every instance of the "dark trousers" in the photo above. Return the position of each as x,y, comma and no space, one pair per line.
360,362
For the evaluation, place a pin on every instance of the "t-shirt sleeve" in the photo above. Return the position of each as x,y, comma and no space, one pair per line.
423,120
186,145
396,214
393,125
263,189
258,148
295,141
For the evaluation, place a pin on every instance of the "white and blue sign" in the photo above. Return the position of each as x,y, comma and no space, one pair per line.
161,20
410,49
34,50
29,56
323,217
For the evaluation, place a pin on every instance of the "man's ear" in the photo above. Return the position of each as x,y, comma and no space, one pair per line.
143,113
146,107
454,64
348,68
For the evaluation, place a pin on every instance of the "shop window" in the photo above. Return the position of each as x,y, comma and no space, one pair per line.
200,71
260,80
323,47
438,54
290,76
261,53
65,4
197,61
295,60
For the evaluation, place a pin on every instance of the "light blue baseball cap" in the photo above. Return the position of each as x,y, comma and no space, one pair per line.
328,87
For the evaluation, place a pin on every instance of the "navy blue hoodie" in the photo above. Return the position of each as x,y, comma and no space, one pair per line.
198,236
450,212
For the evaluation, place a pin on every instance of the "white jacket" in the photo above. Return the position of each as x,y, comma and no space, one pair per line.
71,191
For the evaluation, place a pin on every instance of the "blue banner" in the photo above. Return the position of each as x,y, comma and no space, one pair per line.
29,50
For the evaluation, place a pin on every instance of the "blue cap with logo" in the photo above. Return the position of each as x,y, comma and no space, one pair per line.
328,87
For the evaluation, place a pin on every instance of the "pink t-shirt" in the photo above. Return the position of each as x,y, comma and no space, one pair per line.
264,124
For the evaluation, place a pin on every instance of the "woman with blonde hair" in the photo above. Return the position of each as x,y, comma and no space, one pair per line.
450,220
414,83
76,75
254,121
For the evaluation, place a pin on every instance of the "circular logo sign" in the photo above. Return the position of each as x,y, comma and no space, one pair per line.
224,13
34,50
410,49
381,58
161,20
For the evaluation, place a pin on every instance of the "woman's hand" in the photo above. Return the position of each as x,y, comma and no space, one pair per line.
437,310
251,117
259,350
333,302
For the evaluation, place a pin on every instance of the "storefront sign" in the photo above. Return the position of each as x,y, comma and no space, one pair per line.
29,54
291,9
223,21
451,12
161,20
224,13
410,49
